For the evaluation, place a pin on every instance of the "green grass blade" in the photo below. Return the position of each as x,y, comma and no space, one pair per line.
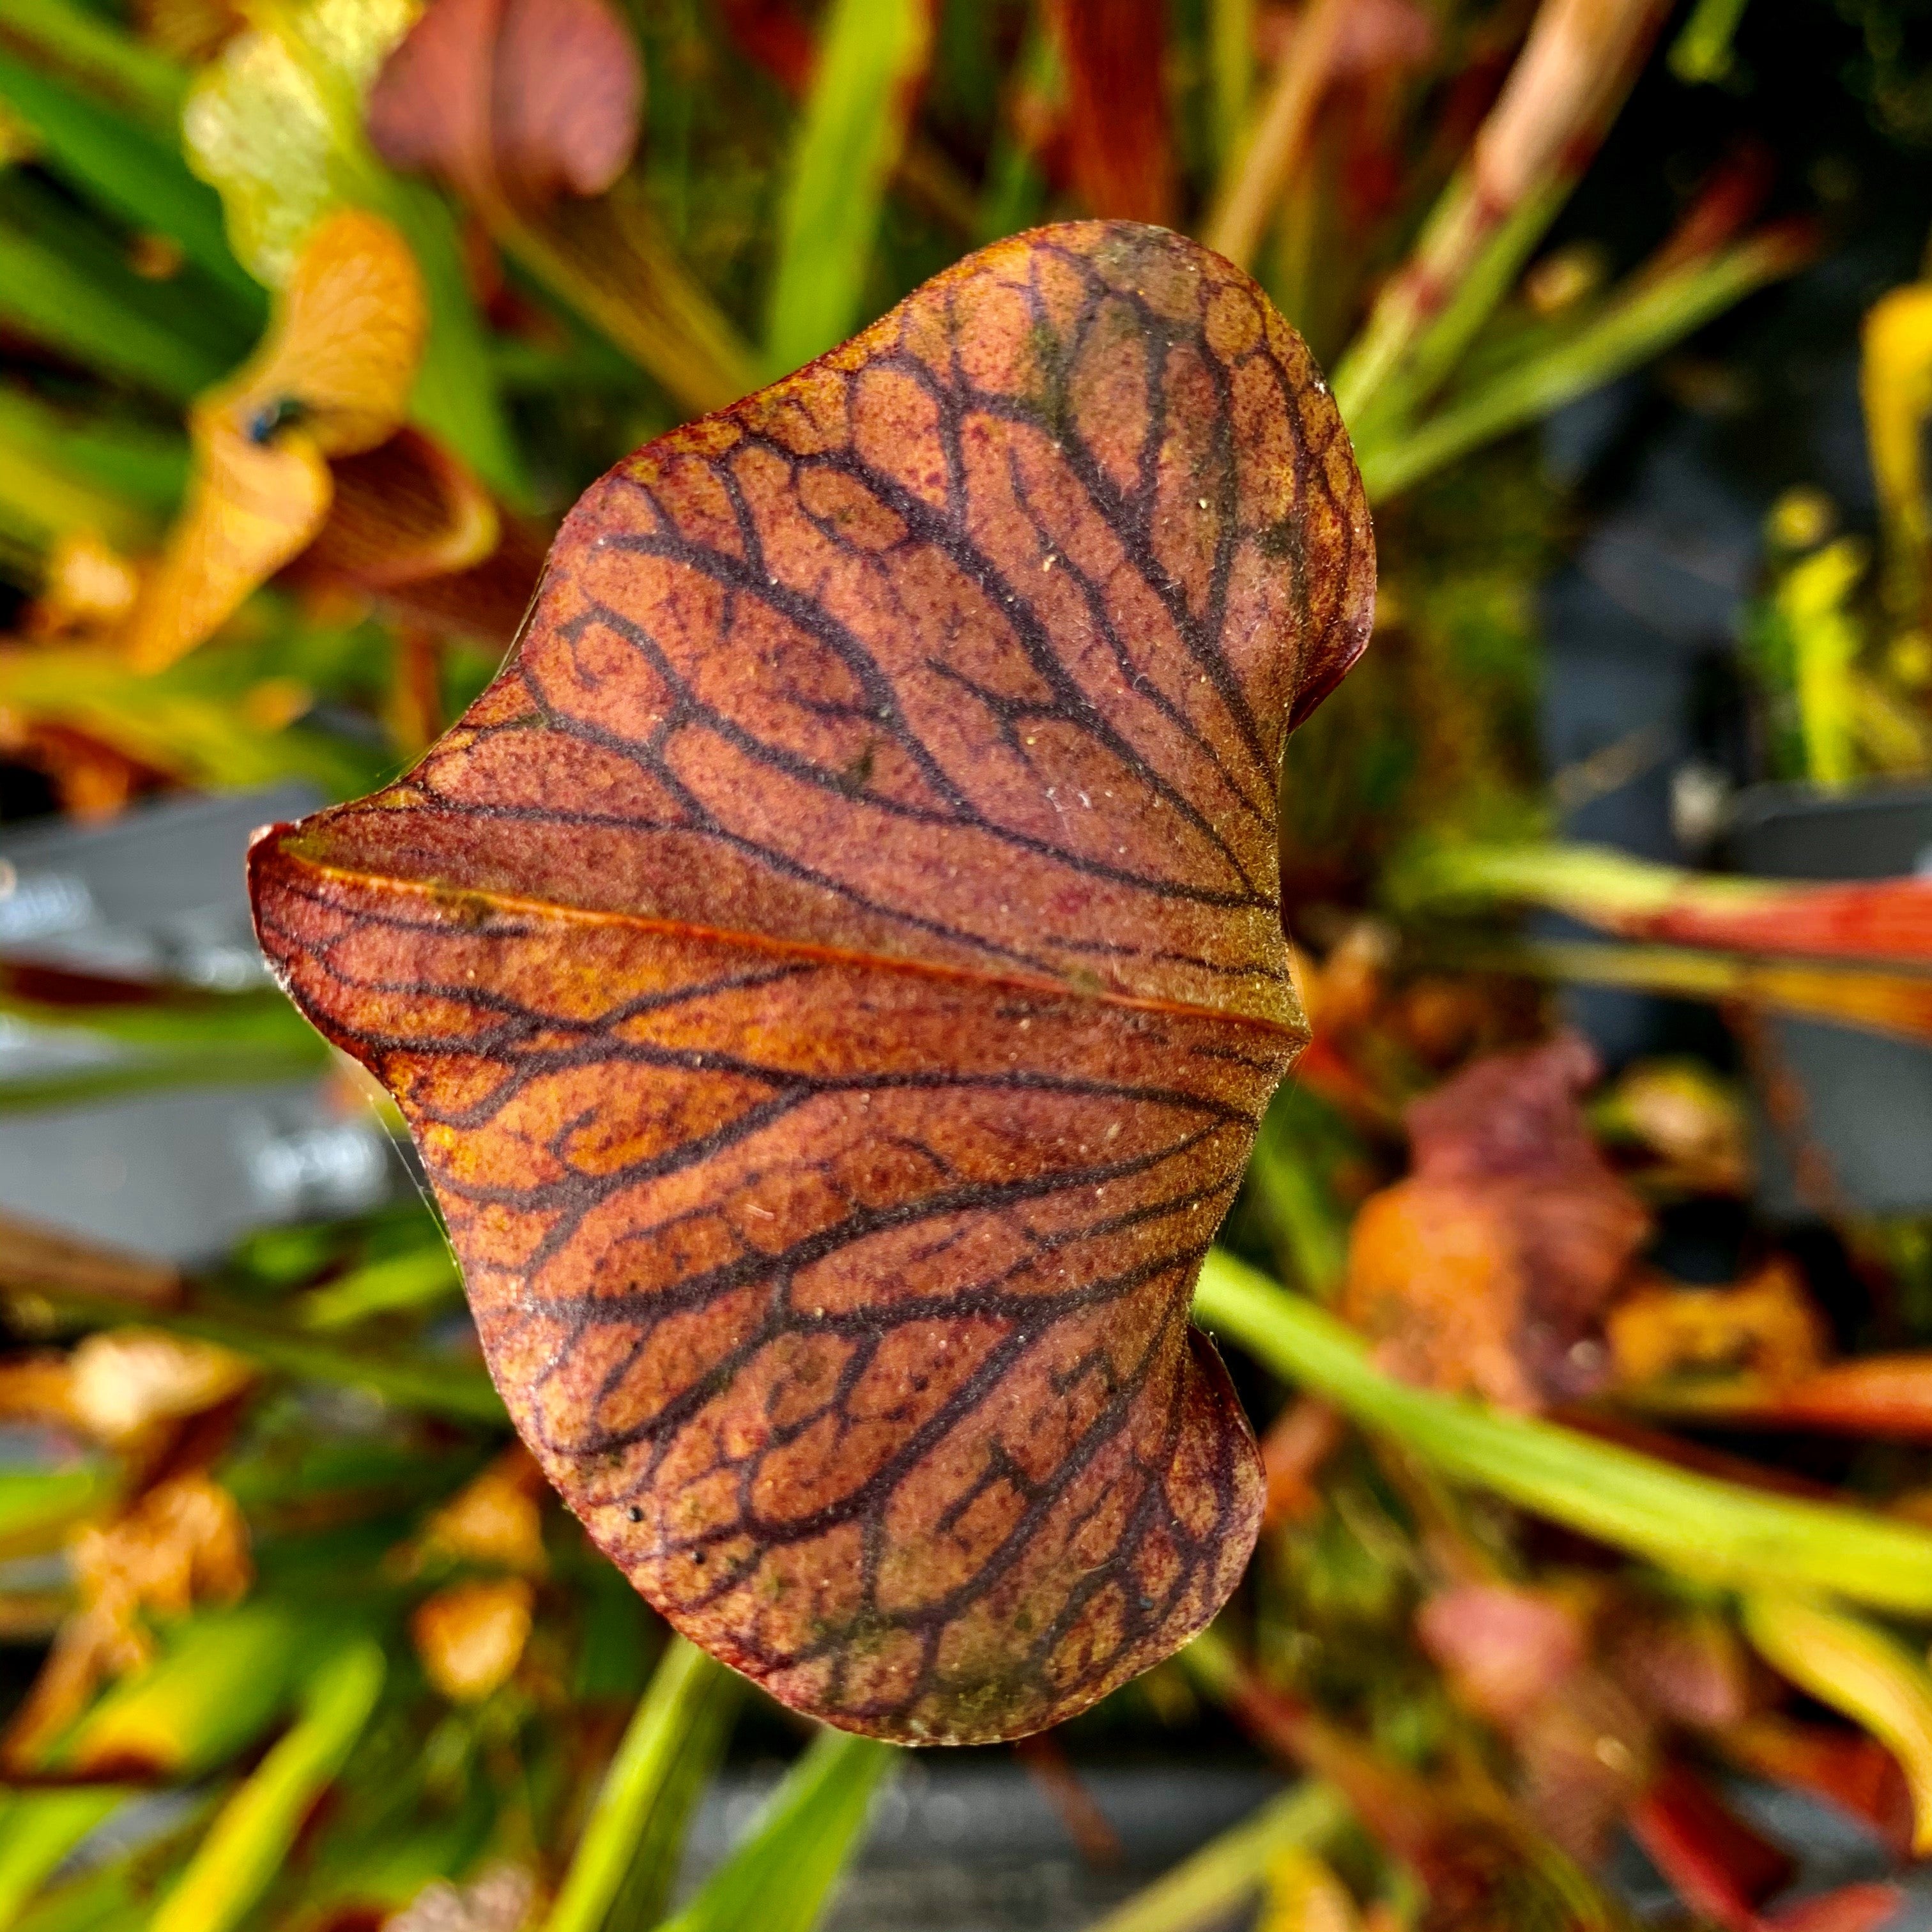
52,299
1207,1889
251,1835
636,1785
1702,51
219,1681
406,1378
870,56
38,1830
781,1877
61,473
77,42
1631,331
1717,1532
132,173
422,1278
166,722
38,1506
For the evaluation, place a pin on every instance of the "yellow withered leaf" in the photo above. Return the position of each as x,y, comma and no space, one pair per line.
252,506
340,356
332,378
1860,1669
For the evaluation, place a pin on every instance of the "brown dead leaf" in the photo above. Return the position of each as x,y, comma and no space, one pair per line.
1766,1328
499,1901
332,378
495,1520
471,1636
183,1544
520,101
125,1380
404,510
1487,1267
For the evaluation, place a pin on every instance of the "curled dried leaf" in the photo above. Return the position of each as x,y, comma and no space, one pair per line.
494,1519
834,973
1766,1328
252,507
125,1380
332,378
403,511
522,100
1490,1264
341,355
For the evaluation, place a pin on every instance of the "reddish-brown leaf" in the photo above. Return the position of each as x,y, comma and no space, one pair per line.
526,99
404,510
1719,1866
1119,144
1851,1908
834,972
1486,1267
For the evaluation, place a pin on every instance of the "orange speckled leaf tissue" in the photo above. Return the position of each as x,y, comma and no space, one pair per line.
834,972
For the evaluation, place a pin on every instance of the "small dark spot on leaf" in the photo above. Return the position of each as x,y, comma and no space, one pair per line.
273,416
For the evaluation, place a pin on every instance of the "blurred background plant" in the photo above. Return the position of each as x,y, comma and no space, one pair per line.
1599,1479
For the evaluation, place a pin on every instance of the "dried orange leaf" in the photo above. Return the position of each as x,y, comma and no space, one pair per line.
471,1636
253,507
834,973
1486,1268
340,355
332,378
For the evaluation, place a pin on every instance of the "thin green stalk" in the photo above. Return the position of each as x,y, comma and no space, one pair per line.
611,261
1631,331
1702,51
1899,1004
1567,83
781,1877
38,1830
76,41
871,55
1718,1531
418,1279
645,1763
1231,61
1207,1887
245,1848
1439,345
1252,185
